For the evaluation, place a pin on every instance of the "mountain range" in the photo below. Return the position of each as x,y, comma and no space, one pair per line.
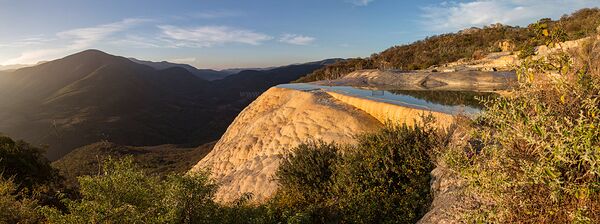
206,74
93,96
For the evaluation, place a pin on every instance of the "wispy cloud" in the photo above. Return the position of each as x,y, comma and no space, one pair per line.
215,14
137,41
296,39
27,42
207,36
73,40
85,37
361,2
453,16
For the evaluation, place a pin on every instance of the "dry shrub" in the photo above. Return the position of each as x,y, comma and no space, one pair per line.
541,159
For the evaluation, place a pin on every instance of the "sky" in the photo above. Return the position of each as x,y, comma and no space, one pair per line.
222,34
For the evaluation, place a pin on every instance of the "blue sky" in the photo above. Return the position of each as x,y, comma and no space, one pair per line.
245,33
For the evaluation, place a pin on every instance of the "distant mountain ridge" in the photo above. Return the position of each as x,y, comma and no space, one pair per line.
93,96
12,67
206,74
232,71
18,66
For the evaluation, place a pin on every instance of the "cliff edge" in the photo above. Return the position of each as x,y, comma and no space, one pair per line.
245,159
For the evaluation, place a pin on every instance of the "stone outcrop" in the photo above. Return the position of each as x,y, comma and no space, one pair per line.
450,200
506,46
543,51
497,61
246,157
385,112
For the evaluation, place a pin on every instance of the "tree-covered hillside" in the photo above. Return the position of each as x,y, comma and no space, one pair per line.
469,43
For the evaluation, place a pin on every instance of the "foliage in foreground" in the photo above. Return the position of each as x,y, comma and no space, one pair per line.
26,181
541,159
14,208
126,194
27,165
385,178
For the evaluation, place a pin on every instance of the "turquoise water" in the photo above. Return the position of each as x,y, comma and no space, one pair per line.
449,102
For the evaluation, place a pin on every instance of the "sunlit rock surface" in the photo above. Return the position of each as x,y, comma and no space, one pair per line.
386,112
246,157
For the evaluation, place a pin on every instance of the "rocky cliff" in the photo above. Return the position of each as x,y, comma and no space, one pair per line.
386,112
247,156
245,159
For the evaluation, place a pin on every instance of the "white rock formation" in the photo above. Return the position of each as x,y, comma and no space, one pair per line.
246,157
386,112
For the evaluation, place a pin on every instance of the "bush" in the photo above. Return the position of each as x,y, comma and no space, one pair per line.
540,162
27,165
306,174
527,51
26,180
305,181
385,178
14,208
125,194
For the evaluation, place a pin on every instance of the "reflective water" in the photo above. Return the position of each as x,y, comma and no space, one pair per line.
450,102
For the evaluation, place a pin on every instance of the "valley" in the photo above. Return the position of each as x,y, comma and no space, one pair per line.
93,96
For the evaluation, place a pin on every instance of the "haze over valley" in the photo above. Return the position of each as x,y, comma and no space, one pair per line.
92,96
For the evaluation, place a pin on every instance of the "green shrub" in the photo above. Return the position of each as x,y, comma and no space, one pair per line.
125,194
305,180
27,165
384,178
541,160
31,180
244,211
527,51
307,173
15,208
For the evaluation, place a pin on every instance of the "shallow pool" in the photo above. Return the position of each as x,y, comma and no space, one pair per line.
449,102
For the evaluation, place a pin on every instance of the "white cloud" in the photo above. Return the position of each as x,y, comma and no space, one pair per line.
85,37
361,2
207,36
215,14
136,41
26,42
454,16
296,39
74,40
